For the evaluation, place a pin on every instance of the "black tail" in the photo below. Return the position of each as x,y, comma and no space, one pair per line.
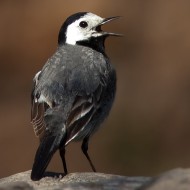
46,149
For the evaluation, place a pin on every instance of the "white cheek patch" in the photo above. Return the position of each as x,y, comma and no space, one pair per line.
75,33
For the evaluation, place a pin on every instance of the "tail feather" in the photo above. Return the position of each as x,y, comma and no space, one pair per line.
46,149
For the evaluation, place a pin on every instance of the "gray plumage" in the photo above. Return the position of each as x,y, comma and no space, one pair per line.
75,77
74,91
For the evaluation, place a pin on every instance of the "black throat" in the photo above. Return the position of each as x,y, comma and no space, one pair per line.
95,43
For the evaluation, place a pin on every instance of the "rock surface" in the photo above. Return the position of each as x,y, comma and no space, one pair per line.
72,181
178,179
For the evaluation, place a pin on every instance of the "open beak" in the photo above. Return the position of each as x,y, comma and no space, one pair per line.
106,20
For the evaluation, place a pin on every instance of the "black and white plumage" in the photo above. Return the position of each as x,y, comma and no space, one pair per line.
74,91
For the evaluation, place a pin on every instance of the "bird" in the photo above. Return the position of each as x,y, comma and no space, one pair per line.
74,91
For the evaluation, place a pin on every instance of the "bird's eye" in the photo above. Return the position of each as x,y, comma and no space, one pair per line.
83,24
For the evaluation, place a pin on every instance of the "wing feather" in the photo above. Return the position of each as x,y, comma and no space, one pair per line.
82,111
37,111
37,118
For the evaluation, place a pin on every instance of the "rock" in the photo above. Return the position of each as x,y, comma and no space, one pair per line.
72,181
20,185
178,179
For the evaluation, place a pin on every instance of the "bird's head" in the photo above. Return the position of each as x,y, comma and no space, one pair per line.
84,28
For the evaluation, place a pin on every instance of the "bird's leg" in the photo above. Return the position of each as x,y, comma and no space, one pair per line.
62,154
84,148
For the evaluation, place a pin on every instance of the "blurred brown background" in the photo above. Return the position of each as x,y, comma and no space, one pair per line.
148,130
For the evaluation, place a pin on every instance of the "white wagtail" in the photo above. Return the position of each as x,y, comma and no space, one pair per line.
74,91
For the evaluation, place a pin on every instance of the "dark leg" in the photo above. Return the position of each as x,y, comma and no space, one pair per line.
62,154
84,148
